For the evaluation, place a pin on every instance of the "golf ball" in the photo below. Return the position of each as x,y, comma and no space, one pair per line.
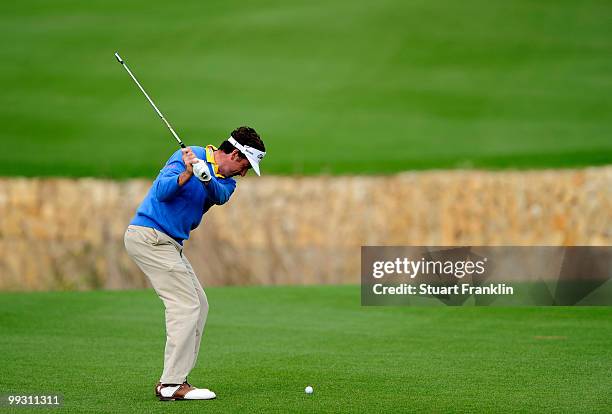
308,390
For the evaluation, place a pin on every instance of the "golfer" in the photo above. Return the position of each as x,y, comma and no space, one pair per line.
192,181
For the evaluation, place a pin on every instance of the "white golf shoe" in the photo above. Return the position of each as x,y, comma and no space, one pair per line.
185,392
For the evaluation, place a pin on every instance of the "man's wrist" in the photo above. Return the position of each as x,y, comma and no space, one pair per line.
184,177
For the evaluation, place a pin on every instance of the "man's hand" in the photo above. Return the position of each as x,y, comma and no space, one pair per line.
202,171
189,158
193,166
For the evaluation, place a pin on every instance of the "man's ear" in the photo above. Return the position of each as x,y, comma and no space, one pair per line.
235,154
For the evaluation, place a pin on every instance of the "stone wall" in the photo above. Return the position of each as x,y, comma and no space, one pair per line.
68,234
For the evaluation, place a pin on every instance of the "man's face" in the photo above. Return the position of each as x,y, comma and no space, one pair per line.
235,165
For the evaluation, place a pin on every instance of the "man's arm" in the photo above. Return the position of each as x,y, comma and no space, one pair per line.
184,177
175,175
168,182
220,189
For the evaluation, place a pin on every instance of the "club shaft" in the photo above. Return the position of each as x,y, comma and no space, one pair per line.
174,134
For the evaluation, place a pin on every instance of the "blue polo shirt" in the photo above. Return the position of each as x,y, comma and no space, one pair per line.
176,210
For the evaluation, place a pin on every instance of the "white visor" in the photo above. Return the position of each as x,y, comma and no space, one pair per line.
253,154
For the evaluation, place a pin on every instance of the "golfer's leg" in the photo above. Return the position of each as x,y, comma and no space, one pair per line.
165,269
203,310
182,315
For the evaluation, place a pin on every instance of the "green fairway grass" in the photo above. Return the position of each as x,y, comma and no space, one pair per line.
332,86
103,351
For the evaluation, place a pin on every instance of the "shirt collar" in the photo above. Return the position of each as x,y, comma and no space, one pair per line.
210,157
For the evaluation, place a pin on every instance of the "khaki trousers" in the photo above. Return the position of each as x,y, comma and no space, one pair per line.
162,260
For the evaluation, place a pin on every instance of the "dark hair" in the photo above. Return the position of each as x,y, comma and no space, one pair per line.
245,136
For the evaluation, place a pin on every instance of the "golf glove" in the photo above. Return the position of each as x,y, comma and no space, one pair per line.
202,171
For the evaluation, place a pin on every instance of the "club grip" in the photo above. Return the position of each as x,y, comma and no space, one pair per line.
118,58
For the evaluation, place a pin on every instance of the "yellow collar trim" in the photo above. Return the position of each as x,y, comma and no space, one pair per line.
210,157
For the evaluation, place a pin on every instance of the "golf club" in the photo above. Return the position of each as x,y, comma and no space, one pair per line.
120,60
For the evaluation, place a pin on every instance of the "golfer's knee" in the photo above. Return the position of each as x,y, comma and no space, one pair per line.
188,309
203,308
